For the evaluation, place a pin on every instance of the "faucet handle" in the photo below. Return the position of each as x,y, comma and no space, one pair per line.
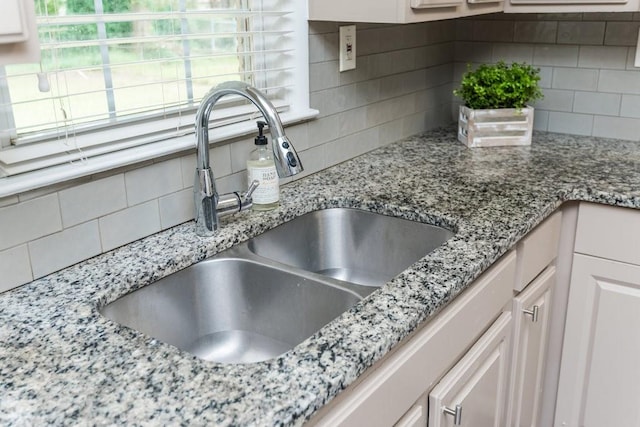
252,187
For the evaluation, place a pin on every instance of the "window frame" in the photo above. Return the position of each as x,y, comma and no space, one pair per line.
224,127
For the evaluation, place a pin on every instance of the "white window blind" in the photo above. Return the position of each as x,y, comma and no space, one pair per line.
117,74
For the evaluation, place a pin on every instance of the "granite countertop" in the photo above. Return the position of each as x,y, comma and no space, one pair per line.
61,362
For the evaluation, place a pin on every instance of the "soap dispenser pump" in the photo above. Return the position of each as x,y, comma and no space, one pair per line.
261,167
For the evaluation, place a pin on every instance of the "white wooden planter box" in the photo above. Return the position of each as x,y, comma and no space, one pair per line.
492,128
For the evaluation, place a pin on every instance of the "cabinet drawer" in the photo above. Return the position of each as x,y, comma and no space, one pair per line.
609,232
394,384
537,250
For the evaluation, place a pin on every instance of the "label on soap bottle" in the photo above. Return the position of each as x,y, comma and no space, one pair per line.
269,189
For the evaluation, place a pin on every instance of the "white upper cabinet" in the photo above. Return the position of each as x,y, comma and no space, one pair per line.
569,6
398,11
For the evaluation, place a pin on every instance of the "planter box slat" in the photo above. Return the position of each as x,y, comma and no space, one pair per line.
490,128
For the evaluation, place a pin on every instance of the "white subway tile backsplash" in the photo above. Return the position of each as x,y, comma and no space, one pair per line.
470,52
352,121
60,250
312,160
323,75
15,267
437,54
128,225
631,59
555,55
493,31
616,127
610,57
368,41
512,53
556,100
414,123
177,208
546,77
607,16
29,220
299,135
578,124
153,181
440,31
392,86
536,31
240,152
392,38
619,81
575,79
390,132
367,92
567,16
359,74
584,33
323,130
438,75
92,200
402,60
621,33
541,120
597,103
463,29
630,106
234,182
332,47
385,111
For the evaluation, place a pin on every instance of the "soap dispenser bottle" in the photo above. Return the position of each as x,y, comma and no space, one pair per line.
262,168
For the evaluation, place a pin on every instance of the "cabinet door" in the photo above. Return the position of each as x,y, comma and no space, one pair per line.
531,311
477,384
417,415
599,376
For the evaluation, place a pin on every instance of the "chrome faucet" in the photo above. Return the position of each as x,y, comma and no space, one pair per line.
209,205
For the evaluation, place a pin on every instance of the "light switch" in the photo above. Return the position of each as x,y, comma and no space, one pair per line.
347,47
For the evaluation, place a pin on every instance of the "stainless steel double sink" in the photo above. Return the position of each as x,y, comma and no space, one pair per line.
261,298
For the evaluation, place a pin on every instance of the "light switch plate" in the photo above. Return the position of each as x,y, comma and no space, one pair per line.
637,61
347,47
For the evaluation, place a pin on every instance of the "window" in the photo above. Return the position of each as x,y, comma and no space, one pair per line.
122,74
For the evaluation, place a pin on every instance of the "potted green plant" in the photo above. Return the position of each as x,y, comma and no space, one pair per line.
496,108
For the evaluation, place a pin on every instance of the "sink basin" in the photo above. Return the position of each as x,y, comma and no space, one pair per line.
349,244
232,310
263,297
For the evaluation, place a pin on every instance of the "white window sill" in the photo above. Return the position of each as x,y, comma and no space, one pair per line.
57,174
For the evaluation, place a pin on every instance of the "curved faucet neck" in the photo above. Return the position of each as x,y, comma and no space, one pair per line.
203,114
208,204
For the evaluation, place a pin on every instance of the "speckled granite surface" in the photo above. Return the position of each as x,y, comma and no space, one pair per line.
62,363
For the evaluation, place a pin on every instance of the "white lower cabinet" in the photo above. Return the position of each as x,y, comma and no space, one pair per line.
473,393
478,363
531,313
417,415
394,391
599,377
